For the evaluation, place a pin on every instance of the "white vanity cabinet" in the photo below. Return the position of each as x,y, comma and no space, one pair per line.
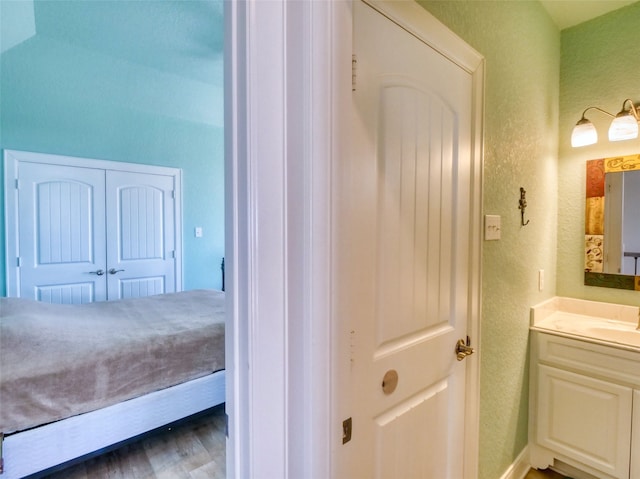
584,406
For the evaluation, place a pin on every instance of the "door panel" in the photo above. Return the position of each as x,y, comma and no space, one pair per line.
60,243
415,210
141,233
409,231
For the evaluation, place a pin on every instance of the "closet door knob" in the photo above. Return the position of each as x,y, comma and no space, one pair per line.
114,271
100,272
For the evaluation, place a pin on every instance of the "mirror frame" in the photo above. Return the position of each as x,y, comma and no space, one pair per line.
596,170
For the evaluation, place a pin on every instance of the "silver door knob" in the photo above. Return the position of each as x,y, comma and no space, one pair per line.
100,272
114,271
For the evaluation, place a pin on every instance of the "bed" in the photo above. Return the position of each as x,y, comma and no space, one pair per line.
77,378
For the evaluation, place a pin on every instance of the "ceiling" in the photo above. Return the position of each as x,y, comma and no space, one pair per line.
567,13
181,37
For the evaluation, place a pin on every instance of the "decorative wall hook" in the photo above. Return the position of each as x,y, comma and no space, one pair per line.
522,204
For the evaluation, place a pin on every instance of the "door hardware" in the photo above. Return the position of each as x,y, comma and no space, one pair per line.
390,381
347,426
114,271
463,350
100,272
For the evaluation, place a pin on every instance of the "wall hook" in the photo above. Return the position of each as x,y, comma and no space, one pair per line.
522,204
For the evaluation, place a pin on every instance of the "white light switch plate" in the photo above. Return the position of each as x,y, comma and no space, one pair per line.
491,227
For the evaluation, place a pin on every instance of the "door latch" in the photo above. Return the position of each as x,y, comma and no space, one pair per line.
463,349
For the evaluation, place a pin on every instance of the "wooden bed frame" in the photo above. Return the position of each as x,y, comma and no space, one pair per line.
35,450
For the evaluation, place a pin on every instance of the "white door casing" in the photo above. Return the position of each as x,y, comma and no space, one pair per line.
288,82
83,230
412,230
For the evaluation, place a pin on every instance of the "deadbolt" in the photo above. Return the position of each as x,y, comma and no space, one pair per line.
390,381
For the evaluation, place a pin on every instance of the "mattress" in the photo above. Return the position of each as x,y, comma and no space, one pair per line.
57,361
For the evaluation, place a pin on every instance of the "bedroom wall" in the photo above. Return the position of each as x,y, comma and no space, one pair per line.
521,46
600,67
130,81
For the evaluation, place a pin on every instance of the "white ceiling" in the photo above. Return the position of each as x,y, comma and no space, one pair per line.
567,13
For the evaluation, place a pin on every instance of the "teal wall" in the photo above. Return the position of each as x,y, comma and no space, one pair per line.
129,81
521,46
600,67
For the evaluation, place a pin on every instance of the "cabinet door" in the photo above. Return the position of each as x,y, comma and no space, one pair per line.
585,419
61,233
141,234
635,440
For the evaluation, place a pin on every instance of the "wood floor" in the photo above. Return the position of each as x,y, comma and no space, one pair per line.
194,449
546,474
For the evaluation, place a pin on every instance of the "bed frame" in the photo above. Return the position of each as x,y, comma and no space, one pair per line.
43,447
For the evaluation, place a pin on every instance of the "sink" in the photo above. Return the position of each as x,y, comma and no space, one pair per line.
630,337
596,321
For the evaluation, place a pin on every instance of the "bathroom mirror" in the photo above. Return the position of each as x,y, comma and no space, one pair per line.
612,226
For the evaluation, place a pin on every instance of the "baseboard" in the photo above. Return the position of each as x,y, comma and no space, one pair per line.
520,466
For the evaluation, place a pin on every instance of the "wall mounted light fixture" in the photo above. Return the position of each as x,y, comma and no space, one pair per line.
623,127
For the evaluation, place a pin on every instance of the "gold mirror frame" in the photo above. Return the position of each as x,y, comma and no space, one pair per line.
594,222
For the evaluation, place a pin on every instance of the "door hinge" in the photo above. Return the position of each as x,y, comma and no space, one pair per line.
347,429
17,184
18,262
354,72
226,425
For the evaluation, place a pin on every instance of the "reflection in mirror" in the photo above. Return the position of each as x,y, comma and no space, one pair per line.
612,227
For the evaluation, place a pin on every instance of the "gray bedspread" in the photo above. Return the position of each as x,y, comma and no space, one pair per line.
57,361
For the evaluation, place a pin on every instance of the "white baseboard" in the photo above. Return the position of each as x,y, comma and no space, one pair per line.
520,466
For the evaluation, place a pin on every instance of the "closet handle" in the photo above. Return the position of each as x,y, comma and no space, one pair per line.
114,271
100,272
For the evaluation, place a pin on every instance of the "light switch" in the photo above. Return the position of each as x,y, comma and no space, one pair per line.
198,231
491,227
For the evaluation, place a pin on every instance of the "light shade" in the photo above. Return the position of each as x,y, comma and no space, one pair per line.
584,133
623,127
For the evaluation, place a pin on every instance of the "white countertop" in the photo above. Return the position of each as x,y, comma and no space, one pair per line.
613,324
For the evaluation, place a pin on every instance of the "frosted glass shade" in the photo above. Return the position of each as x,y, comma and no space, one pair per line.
623,127
584,133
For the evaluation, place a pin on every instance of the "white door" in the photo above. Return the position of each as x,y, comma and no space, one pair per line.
140,234
62,252
613,207
409,242
90,230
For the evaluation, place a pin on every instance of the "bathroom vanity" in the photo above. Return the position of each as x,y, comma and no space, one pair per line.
585,388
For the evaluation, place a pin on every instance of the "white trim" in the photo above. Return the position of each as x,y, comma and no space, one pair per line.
283,134
46,446
520,467
64,160
288,82
411,17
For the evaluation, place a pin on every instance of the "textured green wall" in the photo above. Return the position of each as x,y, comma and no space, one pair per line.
139,82
600,67
521,46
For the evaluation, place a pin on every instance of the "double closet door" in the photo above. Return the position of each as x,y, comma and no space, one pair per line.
87,231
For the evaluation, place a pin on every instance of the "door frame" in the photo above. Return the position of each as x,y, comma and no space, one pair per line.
287,111
12,160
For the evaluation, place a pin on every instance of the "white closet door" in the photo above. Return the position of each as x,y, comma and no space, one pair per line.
141,234
61,233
